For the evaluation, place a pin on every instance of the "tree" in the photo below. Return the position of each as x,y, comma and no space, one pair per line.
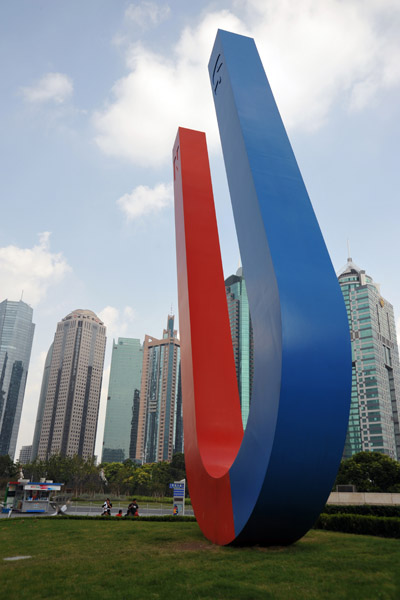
370,472
161,478
73,471
119,476
177,467
84,475
36,470
8,470
61,469
140,480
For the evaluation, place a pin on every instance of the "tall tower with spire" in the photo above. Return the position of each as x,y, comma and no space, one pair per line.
375,397
159,430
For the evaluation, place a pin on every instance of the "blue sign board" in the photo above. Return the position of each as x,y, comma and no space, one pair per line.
178,497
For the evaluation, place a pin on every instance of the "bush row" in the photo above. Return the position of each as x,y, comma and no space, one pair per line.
93,499
360,524
363,509
113,518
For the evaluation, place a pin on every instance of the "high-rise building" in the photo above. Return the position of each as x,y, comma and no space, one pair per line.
71,407
375,396
122,400
16,336
25,455
42,402
159,431
242,338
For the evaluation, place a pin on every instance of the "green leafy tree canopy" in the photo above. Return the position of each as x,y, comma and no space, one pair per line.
370,472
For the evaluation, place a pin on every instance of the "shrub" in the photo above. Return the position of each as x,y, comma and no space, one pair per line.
170,518
360,524
363,509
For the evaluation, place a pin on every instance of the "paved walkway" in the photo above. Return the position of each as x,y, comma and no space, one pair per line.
95,510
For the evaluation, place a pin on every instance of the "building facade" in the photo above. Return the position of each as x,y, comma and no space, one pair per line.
123,397
71,406
16,336
159,430
242,338
42,401
375,397
25,455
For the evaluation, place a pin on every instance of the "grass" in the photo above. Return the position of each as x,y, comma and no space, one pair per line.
120,560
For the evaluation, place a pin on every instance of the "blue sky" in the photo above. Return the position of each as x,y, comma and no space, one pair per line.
91,97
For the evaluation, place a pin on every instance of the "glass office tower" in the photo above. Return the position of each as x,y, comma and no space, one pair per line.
16,336
242,338
122,400
375,396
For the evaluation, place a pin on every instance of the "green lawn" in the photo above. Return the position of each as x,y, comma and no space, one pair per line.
117,560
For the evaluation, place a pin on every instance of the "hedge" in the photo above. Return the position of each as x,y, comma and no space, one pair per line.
170,518
363,509
360,524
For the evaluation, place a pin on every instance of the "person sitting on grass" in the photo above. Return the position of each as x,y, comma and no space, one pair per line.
119,514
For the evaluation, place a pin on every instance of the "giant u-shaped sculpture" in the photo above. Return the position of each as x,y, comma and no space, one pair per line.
265,485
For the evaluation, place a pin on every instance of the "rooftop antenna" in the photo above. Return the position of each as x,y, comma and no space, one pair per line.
171,313
348,251
22,295
239,270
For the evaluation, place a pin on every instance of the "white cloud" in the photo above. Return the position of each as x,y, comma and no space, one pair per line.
32,270
116,321
144,200
129,313
315,54
147,14
52,87
160,94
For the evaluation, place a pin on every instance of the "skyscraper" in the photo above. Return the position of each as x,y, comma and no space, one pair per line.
122,400
25,455
42,402
16,336
375,396
242,338
159,433
71,405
